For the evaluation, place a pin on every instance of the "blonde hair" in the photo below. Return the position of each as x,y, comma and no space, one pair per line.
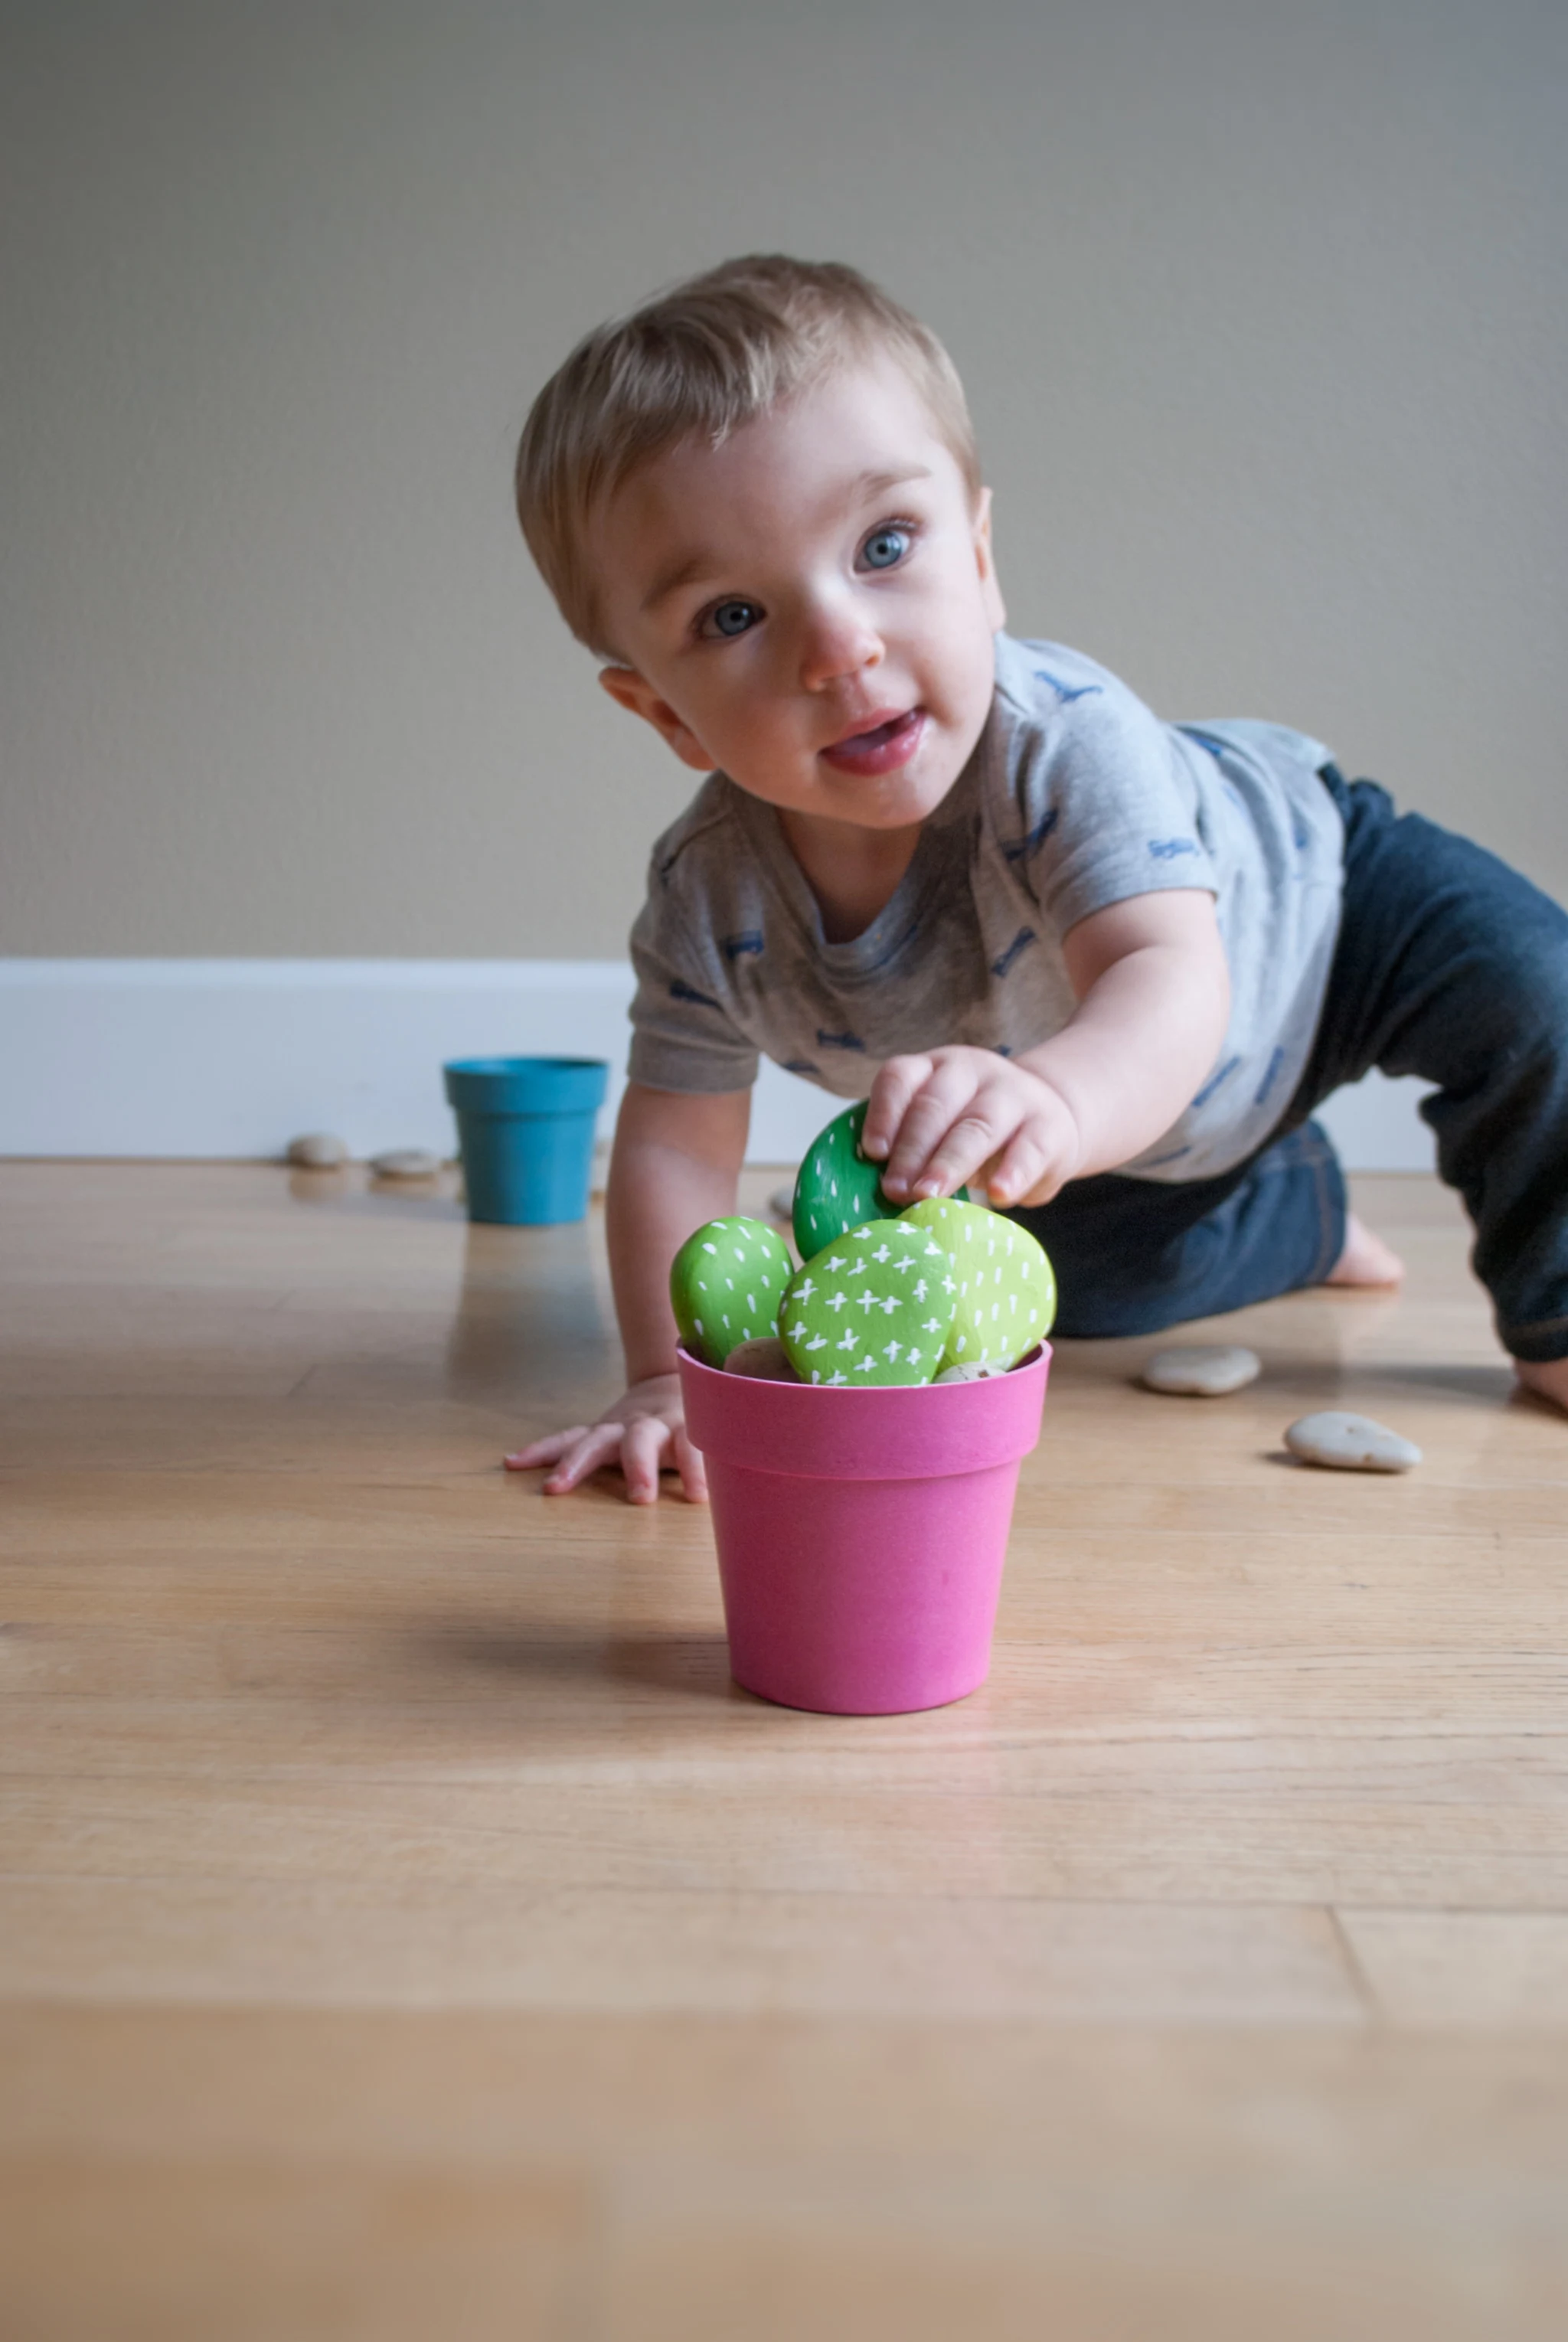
701,360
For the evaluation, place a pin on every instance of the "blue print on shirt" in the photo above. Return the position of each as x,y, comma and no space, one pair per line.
839,1040
1066,690
1302,837
1035,839
1167,849
737,947
800,1066
1020,942
1276,1062
683,991
1156,1161
1213,1084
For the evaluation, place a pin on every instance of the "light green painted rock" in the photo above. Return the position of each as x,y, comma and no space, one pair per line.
725,1285
1005,1298
836,1188
875,1307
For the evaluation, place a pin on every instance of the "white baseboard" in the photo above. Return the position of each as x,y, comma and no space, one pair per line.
222,1058
234,1058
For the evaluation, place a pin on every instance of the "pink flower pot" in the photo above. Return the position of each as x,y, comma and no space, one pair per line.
861,1533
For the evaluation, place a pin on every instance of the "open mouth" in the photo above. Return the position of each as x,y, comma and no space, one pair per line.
882,747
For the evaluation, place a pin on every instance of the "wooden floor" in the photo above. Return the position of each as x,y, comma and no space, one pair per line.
407,1931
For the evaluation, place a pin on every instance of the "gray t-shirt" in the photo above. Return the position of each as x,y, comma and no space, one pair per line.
1076,797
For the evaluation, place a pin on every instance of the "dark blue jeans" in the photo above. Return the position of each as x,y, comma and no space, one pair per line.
1448,964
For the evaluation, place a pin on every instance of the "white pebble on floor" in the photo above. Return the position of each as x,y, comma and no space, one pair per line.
1202,1370
1350,1443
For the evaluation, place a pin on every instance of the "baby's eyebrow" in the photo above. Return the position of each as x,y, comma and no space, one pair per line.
692,565
670,581
877,483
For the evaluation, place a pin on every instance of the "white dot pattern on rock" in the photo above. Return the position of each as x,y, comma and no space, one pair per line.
835,1188
725,1285
873,1309
1004,1294
1350,1443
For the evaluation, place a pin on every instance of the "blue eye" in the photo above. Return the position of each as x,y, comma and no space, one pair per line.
885,549
731,618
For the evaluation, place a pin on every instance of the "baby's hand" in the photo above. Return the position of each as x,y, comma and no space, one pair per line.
643,1428
957,1115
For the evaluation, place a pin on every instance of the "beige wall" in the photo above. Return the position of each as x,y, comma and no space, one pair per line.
1262,308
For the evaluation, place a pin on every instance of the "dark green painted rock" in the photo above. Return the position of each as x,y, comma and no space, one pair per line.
836,1188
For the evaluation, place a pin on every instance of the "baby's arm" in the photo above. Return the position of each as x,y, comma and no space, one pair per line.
675,1164
1154,1002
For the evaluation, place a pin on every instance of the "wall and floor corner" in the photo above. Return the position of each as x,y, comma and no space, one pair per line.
297,791
228,1057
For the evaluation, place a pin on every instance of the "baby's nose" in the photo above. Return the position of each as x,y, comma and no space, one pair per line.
837,643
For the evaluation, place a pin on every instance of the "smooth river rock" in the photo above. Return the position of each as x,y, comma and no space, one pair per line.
406,1163
763,1357
318,1150
1202,1370
1350,1443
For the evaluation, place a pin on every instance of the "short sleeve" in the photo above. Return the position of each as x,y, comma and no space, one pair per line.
1104,803
683,1035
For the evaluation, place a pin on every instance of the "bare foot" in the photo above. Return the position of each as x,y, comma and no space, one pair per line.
1547,1377
1366,1260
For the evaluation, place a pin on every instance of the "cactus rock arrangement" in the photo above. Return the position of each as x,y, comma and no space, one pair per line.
944,1291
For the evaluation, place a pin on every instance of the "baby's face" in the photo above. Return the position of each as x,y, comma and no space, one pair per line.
810,606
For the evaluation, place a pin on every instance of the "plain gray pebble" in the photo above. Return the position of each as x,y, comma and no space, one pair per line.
1350,1443
318,1150
1202,1370
406,1163
763,1357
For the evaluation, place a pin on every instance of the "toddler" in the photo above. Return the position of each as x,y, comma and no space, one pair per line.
1100,966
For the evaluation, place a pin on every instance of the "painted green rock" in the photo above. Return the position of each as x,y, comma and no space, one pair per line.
836,1188
875,1307
1005,1298
725,1285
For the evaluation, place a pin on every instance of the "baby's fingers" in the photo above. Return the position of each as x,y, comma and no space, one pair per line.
543,1451
642,1450
897,1083
594,1448
960,1154
1027,1170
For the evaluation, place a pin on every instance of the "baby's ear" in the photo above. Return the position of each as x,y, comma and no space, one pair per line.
995,609
637,696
